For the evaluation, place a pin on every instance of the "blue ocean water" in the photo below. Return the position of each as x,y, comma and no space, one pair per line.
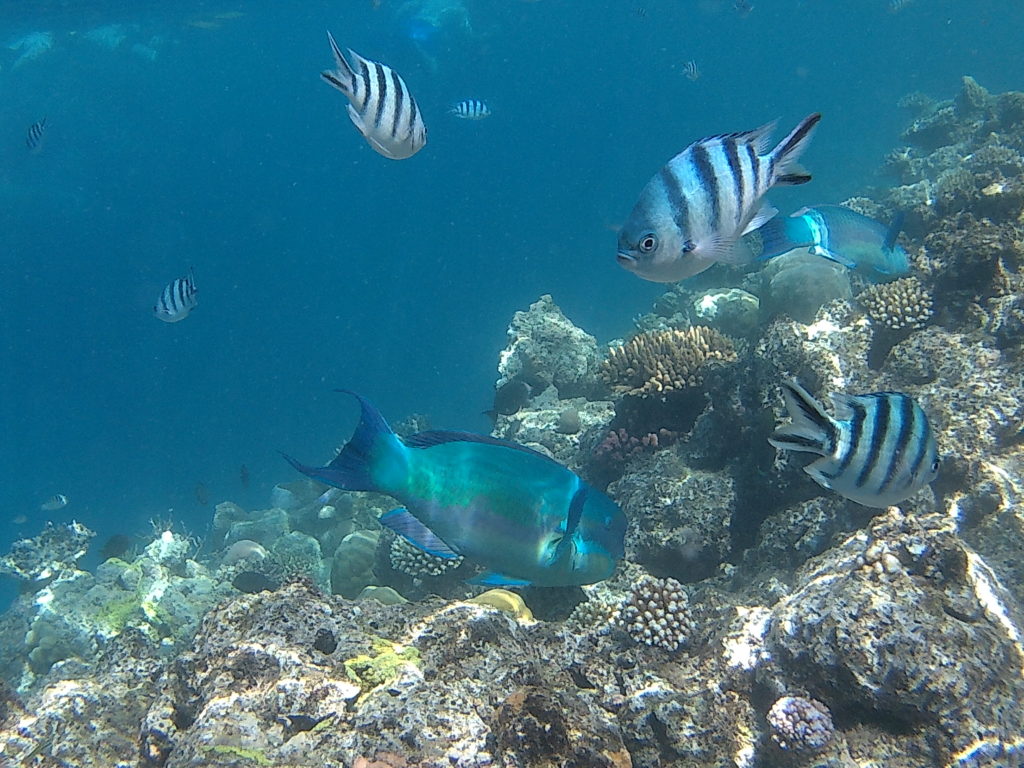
205,138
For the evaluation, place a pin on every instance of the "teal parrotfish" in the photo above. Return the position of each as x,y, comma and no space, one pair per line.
844,236
691,214
516,512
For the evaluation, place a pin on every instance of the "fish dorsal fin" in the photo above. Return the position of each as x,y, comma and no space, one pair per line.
759,137
894,230
434,437
416,533
842,405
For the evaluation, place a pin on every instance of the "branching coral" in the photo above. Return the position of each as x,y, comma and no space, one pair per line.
903,304
657,613
655,362
800,724
417,563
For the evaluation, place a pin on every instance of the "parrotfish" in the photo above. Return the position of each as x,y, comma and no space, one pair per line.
691,214
844,236
878,449
517,513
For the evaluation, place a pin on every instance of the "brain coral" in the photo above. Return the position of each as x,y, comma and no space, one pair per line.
901,304
661,361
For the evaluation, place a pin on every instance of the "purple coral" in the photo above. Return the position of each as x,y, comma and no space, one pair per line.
800,724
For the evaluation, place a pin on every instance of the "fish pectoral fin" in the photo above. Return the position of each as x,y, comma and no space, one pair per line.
492,579
416,533
825,253
766,212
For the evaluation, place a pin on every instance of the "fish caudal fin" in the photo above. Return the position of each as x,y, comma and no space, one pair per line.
368,460
788,151
779,236
810,429
342,77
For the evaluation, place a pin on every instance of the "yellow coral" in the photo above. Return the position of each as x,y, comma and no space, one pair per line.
655,362
506,601
384,666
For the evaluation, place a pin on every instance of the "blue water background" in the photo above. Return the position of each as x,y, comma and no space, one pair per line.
321,264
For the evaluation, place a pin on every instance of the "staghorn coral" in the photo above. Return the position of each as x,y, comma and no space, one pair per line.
417,563
903,304
655,362
800,724
657,613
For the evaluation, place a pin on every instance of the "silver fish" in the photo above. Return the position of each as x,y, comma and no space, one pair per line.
34,137
691,71
381,106
177,300
470,109
55,502
878,449
690,215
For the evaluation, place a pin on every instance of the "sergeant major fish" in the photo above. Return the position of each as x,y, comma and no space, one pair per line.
55,502
690,215
841,235
470,109
177,299
381,107
34,136
877,451
523,516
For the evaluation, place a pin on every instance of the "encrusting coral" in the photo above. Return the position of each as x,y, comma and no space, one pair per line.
903,304
662,361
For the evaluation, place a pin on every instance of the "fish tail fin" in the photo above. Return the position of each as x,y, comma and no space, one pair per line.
780,236
788,151
810,428
342,77
368,461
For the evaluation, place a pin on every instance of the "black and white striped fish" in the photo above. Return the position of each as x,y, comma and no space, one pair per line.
877,451
34,137
177,299
55,502
470,109
690,215
381,107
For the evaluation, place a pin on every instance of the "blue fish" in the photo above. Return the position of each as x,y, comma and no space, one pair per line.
844,236
521,515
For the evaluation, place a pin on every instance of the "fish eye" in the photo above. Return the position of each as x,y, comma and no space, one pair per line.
688,246
648,243
935,466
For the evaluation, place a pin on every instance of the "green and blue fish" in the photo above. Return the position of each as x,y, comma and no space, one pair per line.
519,514
844,236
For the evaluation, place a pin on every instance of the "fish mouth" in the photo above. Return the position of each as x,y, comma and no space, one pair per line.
626,260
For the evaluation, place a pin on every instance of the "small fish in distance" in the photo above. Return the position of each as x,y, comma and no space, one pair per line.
55,502
877,451
692,212
34,137
470,109
177,300
843,236
380,105
691,71
521,515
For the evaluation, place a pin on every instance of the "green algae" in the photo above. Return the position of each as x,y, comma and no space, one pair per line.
382,665
250,755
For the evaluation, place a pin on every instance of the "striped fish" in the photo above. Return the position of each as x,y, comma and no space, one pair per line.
381,107
690,215
55,502
34,137
470,109
877,451
177,299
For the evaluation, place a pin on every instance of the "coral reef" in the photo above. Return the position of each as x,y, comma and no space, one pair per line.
656,612
800,724
54,551
899,305
657,362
